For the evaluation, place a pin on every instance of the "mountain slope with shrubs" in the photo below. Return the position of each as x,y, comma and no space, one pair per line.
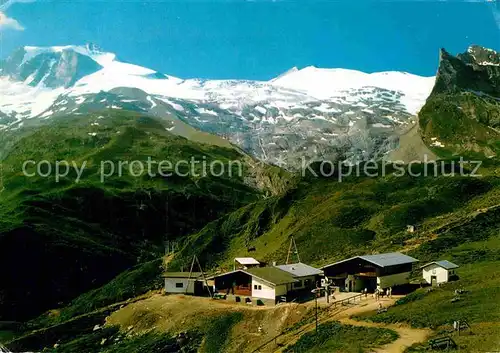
61,238
332,220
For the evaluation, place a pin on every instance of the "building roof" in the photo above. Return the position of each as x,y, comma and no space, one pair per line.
300,270
247,261
272,275
381,260
447,265
194,275
389,259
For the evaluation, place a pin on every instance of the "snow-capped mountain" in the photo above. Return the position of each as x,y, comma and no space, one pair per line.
312,112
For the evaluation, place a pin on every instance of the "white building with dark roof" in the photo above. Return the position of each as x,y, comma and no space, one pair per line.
259,283
184,282
267,284
370,271
437,272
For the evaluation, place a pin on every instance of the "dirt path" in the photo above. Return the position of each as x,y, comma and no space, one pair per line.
407,335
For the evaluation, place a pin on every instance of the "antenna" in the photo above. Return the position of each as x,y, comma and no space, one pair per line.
295,250
167,212
195,260
170,247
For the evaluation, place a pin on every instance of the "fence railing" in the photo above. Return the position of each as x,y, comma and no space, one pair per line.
442,342
331,305
348,300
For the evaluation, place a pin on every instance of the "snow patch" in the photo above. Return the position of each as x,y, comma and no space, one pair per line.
436,142
174,105
206,111
260,109
325,108
382,126
79,100
46,114
296,89
150,100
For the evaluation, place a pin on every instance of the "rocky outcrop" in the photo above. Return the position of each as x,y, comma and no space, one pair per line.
462,114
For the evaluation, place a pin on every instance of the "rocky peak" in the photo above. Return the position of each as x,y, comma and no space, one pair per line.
51,67
478,69
93,48
478,55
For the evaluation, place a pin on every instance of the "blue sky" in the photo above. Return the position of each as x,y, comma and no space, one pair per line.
257,39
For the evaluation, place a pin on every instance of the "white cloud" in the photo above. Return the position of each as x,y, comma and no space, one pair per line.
9,23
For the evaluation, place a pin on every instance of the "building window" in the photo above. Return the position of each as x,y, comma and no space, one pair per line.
307,283
257,287
179,285
297,284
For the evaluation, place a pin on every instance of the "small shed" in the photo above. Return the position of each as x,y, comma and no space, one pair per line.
184,282
437,272
244,263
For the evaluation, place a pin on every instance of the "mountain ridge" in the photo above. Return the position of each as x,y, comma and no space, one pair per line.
307,114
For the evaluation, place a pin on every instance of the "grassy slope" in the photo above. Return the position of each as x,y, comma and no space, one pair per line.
332,220
111,340
211,337
205,334
478,306
467,124
73,237
434,309
334,337
473,243
218,330
457,219
127,285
